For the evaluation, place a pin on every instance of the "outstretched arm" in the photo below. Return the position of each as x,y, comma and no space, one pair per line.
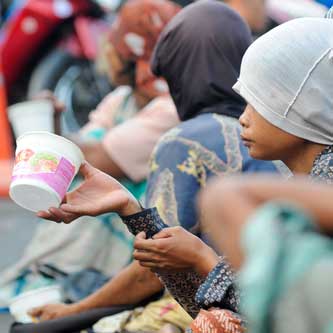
131,286
227,204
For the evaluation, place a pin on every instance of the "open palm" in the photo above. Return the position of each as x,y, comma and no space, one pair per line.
98,194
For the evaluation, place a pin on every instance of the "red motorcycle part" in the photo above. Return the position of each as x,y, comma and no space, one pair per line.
83,42
32,25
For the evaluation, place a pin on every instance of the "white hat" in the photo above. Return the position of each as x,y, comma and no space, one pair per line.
287,76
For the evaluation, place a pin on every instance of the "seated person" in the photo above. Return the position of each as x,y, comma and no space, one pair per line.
279,237
206,144
119,139
294,127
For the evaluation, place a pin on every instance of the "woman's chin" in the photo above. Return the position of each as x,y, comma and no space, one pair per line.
258,155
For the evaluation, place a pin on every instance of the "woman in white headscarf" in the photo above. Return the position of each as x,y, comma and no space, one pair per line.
287,264
287,79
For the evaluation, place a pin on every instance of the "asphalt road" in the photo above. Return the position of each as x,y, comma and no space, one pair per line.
16,229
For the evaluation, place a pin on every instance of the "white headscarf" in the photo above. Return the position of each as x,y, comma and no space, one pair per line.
287,76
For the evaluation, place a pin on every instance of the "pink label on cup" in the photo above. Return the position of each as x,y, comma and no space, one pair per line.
46,167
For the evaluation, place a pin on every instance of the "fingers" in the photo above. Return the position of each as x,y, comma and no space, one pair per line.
62,215
165,233
141,235
47,94
142,244
151,265
46,215
69,210
143,256
57,215
36,312
86,169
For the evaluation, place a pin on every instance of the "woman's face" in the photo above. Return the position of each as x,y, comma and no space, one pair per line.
121,72
257,14
264,140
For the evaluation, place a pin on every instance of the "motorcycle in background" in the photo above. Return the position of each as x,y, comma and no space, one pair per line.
52,44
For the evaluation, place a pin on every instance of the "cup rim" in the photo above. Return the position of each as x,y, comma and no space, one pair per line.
58,137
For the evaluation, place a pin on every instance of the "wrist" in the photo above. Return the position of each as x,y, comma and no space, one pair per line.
132,207
79,307
206,260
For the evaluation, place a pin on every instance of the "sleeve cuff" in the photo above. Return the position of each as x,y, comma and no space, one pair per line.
218,290
148,221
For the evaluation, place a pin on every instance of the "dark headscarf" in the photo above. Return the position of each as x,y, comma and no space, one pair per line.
199,54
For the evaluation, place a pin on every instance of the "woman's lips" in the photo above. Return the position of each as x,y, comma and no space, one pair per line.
246,141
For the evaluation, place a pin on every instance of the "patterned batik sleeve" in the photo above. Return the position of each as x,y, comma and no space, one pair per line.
219,290
182,286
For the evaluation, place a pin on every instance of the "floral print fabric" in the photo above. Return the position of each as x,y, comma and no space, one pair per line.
217,321
322,169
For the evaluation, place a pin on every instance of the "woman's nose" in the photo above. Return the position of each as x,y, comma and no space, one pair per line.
243,119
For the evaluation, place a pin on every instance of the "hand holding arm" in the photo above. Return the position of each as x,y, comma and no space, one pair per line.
175,249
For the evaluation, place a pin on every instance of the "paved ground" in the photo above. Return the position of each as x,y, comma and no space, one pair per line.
16,228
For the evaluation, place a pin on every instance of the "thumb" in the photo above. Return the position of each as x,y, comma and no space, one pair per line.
86,170
141,235
165,233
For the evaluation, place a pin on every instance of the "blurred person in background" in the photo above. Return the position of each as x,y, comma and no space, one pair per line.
118,139
280,241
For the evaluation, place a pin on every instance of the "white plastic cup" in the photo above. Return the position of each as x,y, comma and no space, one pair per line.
45,166
21,305
37,115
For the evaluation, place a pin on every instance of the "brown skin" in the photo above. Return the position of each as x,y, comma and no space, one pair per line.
174,249
95,153
122,72
165,247
228,203
267,142
131,286
252,11
99,193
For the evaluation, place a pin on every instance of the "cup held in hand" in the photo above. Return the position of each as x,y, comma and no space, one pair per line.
45,166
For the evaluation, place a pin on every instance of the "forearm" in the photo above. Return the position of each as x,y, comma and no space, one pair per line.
314,198
131,286
97,156
229,203
183,285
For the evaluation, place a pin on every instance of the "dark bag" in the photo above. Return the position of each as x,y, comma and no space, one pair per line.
70,324
79,322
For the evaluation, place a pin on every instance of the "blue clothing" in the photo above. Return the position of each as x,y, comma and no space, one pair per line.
329,14
327,3
182,163
283,249
187,156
